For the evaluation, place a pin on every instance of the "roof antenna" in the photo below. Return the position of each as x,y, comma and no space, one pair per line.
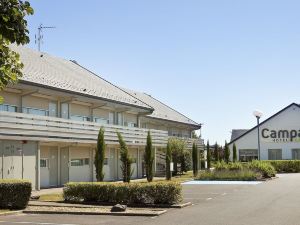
39,38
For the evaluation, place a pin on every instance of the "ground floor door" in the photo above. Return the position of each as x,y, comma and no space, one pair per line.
49,166
12,160
275,154
64,165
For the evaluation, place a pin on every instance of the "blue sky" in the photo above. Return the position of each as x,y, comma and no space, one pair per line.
214,61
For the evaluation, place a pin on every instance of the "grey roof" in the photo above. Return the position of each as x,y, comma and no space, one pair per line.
161,110
67,75
237,133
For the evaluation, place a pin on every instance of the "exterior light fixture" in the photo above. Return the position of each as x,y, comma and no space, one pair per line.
258,114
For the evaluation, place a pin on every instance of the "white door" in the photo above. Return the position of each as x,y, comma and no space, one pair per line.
45,173
134,168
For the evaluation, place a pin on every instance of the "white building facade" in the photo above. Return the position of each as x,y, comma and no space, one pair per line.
279,137
50,120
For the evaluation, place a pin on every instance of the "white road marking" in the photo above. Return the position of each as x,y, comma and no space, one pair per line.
224,194
208,199
36,223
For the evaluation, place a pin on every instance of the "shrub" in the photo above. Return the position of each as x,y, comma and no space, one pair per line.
149,158
14,194
229,175
285,166
263,167
100,155
124,193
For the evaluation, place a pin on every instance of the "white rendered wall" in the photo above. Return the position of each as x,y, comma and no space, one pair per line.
286,120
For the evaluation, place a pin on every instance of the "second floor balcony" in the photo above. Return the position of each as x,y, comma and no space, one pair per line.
38,127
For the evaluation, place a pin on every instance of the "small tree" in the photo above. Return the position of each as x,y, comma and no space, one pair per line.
227,153
195,159
168,161
13,29
216,152
208,156
100,155
149,158
125,159
234,155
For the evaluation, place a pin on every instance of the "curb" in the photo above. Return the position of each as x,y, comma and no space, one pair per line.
11,213
176,206
97,213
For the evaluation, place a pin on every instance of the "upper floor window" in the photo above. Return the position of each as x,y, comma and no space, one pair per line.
101,120
8,108
35,111
80,118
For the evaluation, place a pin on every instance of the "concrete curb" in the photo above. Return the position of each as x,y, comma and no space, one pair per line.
176,206
11,213
98,213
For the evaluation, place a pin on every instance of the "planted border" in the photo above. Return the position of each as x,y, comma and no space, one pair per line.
166,193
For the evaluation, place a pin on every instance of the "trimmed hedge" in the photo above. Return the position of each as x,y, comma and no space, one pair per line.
229,175
14,194
125,193
285,166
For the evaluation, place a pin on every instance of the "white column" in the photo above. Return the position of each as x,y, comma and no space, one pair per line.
58,166
37,168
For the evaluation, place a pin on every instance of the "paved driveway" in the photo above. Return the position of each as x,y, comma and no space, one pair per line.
275,202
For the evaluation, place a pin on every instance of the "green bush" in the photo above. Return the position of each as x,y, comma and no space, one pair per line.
14,194
230,166
285,166
263,167
229,175
125,193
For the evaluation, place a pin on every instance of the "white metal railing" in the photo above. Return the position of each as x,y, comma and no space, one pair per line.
22,126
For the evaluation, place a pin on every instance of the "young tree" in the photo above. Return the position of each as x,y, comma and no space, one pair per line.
227,153
234,153
125,159
216,152
195,159
149,158
100,155
208,156
178,149
13,29
168,161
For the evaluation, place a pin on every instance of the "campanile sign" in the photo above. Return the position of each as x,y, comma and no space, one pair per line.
280,136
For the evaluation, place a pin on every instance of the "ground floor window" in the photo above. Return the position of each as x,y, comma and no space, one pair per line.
80,162
296,153
246,155
275,154
43,163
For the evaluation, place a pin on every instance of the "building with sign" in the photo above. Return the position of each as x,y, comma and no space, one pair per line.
50,120
279,137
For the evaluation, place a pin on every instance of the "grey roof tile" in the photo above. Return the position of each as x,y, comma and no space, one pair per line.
161,110
68,75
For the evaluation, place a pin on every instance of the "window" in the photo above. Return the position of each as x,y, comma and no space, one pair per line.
296,153
120,119
105,162
80,162
130,124
8,108
80,118
34,111
246,155
65,110
275,154
43,163
101,120
53,109
111,118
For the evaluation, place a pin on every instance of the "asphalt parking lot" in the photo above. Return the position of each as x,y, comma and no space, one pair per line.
274,202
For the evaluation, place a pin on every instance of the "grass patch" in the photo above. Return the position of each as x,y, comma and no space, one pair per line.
56,197
4,210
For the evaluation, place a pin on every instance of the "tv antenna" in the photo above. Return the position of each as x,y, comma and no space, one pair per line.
39,38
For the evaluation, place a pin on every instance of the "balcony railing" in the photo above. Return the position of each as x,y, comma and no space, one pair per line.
22,126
